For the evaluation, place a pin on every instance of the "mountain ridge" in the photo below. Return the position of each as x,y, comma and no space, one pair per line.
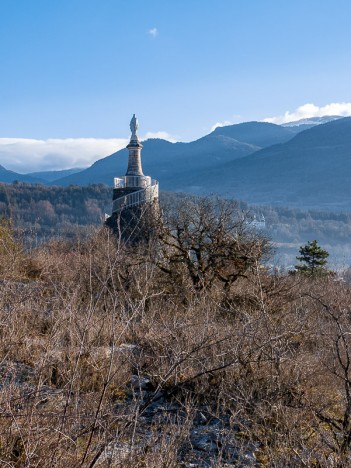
219,146
303,167
312,170
9,176
50,176
160,157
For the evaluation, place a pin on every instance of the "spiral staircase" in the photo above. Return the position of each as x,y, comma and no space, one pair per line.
146,192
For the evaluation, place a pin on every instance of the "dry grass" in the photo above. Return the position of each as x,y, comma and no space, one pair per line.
96,338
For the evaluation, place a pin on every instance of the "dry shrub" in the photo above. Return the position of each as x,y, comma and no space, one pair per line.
96,347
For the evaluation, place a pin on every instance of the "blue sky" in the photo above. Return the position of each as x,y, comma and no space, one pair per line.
81,68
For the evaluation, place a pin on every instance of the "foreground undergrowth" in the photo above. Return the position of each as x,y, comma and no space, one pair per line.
180,352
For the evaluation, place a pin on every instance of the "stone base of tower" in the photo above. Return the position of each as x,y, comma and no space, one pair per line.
136,224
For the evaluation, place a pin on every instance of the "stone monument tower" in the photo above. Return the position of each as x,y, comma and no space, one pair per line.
135,195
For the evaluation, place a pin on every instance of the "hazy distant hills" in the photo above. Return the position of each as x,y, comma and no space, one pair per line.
50,176
44,177
11,176
306,165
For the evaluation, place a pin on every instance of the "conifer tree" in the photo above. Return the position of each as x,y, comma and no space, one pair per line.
313,259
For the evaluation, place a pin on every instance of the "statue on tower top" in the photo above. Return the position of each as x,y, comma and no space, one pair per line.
134,125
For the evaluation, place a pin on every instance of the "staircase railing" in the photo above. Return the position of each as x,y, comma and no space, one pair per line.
140,196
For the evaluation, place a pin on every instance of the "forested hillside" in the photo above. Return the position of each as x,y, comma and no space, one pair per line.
43,212
50,211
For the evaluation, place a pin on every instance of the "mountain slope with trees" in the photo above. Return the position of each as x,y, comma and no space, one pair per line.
168,162
312,170
261,134
42,212
164,160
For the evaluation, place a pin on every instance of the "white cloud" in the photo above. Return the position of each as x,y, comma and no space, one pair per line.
153,32
29,155
163,135
221,124
311,110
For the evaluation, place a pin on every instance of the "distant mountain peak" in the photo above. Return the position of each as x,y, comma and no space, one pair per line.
260,134
313,121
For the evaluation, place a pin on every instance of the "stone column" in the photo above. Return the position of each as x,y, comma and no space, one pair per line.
134,160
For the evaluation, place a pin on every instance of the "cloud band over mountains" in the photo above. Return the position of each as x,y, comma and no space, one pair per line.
25,155
29,155
306,111
311,110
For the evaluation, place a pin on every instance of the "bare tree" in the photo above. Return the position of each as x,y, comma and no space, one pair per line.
209,241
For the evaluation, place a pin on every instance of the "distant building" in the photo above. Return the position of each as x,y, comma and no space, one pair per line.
135,196
258,223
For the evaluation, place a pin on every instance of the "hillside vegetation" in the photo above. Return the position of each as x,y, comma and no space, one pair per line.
182,352
41,213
